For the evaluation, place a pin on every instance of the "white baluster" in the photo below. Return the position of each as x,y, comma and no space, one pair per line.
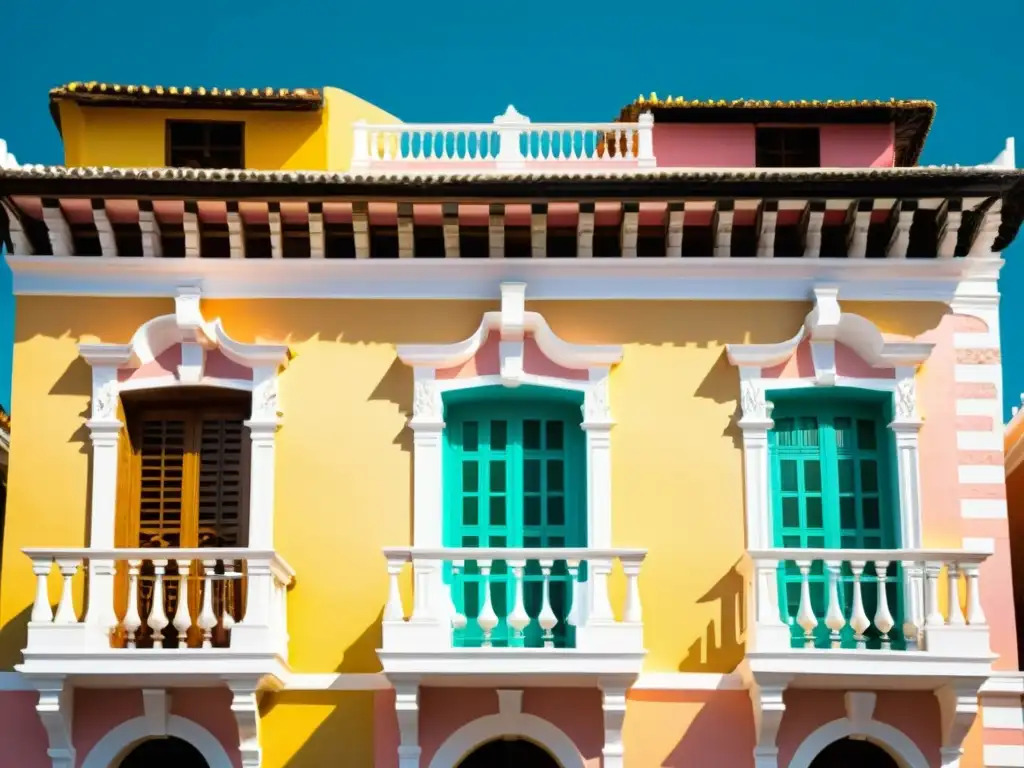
487,618
207,618
42,611
631,611
883,618
933,617
956,613
459,620
518,619
182,618
157,620
834,618
227,587
574,617
360,146
393,610
132,622
858,617
645,141
547,618
913,575
972,573
66,607
805,616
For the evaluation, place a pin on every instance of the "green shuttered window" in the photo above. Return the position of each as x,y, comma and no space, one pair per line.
514,477
832,474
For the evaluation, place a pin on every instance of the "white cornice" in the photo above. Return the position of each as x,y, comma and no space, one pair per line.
666,278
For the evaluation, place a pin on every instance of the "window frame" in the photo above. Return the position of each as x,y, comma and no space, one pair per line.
206,126
779,151
129,481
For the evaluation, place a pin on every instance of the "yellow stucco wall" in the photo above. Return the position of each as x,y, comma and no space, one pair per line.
344,466
134,137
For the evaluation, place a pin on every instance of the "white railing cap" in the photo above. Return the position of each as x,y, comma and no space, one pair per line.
519,553
277,563
971,555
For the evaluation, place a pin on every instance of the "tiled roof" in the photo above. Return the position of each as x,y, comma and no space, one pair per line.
912,117
163,96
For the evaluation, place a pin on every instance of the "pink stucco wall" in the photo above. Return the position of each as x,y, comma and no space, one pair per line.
695,145
98,711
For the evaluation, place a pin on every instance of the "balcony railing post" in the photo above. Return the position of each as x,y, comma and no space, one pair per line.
42,611
600,604
66,613
360,146
509,125
645,141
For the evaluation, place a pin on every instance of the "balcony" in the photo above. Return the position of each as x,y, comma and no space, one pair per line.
231,624
510,144
857,617
543,616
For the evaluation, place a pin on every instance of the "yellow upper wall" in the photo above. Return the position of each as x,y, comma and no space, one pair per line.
344,469
125,137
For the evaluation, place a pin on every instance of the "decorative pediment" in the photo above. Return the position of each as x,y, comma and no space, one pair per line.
516,330
826,326
184,349
196,337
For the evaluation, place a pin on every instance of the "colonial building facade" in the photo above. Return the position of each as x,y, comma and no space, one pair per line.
669,441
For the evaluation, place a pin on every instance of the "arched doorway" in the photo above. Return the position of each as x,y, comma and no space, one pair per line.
853,753
513,753
169,751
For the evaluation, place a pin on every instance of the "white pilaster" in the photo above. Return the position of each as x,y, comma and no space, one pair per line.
407,709
427,424
613,706
906,427
56,712
958,708
246,710
263,424
769,709
597,424
755,422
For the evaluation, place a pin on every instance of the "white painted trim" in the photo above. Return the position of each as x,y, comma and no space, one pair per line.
512,323
1009,718
979,544
983,509
724,279
979,441
117,742
892,740
490,727
981,474
1003,756
980,373
971,406
824,326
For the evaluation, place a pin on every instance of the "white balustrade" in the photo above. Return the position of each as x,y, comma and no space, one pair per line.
510,143
820,598
171,600
524,598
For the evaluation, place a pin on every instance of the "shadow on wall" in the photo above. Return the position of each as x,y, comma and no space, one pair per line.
344,733
723,643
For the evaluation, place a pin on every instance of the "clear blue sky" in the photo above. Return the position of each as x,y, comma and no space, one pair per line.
576,61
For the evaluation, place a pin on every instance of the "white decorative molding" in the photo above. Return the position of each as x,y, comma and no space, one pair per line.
825,326
958,709
156,709
407,710
769,709
882,735
613,707
508,723
121,738
512,324
246,711
55,708
186,327
762,279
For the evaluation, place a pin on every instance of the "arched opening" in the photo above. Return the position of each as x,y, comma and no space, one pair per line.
853,753
169,751
509,753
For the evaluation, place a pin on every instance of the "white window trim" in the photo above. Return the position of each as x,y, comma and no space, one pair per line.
825,326
513,323
196,336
